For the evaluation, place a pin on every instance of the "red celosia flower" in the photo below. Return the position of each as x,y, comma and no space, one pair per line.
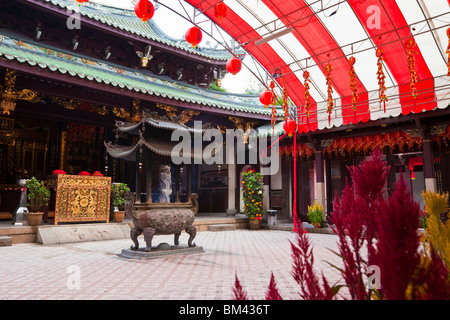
272,292
303,271
398,241
238,291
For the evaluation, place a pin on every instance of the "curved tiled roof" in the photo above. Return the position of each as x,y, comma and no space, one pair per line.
98,71
127,20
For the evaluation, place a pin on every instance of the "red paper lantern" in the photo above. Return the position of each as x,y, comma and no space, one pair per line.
220,11
144,9
194,36
266,98
290,126
234,65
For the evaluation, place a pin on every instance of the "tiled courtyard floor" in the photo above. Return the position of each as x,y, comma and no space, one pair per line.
94,270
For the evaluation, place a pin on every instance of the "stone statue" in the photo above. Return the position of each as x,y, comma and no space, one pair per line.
165,182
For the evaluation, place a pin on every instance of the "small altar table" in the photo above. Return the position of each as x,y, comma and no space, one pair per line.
81,198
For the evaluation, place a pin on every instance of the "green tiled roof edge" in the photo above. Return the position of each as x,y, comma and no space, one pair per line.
118,77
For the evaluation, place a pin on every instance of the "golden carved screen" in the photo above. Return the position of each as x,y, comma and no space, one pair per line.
82,198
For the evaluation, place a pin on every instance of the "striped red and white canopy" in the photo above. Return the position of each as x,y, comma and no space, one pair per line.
322,32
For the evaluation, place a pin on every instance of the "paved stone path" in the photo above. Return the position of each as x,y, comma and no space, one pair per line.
94,270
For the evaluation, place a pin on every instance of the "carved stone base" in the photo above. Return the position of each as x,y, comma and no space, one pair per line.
161,251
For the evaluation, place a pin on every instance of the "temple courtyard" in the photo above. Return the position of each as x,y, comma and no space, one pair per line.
96,271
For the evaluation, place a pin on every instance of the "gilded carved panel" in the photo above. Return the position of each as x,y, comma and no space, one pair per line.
82,198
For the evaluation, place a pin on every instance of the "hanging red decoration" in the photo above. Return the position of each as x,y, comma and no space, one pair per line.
328,69
410,44
220,11
448,53
290,126
307,95
194,36
266,98
234,65
273,102
353,85
144,9
381,77
81,2
285,101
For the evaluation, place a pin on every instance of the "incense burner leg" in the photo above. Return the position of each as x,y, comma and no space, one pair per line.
176,240
134,233
192,231
148,237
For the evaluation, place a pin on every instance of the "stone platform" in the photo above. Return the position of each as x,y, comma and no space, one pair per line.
162,250
72,233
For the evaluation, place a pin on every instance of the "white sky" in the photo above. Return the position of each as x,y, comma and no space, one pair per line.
239,83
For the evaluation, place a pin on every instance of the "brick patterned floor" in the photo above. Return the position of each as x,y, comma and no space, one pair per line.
33,271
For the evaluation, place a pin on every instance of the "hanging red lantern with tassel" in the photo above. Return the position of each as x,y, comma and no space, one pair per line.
194,36
381,77
234,65
290,126
353,85
220,11
266,98
144,9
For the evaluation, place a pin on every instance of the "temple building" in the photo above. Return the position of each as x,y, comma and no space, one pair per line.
70,95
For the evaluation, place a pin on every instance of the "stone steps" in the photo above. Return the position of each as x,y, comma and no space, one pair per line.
5,241
221,227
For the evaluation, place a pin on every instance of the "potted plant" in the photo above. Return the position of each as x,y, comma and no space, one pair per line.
118,191
315,214
38,197
252,188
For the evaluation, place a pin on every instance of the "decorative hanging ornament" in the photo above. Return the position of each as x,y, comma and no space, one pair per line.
381,77
273,102
290,126
353,86
328,69
220,11
234,65
410,44
307,95
266,98
144,9
194,36
448,53
285,101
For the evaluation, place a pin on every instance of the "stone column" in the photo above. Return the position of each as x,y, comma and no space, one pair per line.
177,183
138,176
266,192
428,163
231,165
320,181
148,176
188,182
